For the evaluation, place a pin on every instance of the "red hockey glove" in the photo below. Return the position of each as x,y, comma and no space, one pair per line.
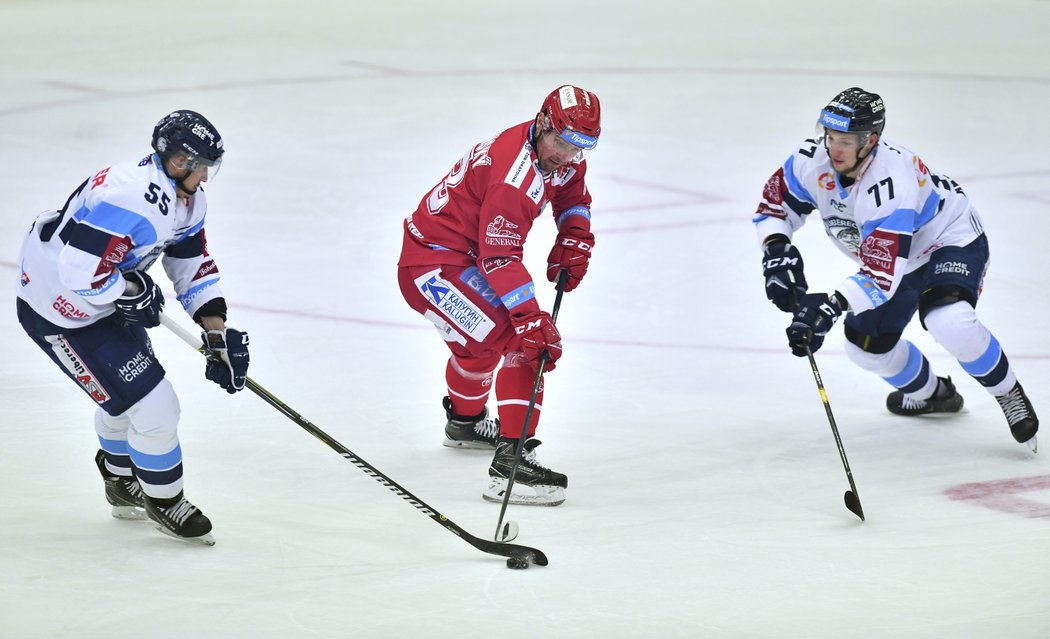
536,333
572,252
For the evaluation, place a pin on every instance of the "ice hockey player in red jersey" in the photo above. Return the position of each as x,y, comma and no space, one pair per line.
461,268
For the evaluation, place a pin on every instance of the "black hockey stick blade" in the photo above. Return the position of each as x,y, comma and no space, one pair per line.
531,555
525,553
853,504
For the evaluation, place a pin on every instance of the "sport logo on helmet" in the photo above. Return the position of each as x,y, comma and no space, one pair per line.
833,121
582,141
202,132
567,95
877,106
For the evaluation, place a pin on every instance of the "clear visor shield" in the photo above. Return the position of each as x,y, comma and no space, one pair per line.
852,141
206,169
572,143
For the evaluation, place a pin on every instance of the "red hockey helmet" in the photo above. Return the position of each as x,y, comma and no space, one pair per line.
575,115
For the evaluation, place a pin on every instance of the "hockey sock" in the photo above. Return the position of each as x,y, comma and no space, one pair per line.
113,440
513,391
469,385
153,442
957,328
904,367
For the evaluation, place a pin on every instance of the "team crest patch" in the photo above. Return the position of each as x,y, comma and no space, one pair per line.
844,231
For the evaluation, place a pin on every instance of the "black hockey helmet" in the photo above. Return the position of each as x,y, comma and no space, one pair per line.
189,133
854,111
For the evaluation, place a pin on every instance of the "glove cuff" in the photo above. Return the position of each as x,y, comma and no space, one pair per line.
775,240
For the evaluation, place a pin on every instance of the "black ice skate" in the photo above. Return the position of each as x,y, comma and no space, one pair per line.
123,493
1020,415
539,486
479,431
178,518
944,400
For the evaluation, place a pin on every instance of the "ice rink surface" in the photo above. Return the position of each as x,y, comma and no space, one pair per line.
706,489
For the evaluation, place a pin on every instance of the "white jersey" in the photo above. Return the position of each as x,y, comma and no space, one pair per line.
120,219
894,215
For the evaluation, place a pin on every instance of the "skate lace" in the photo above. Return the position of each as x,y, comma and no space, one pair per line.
912,403
530,459
180,511
487,428
1013,406
133,488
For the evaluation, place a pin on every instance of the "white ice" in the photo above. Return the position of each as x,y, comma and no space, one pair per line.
706,489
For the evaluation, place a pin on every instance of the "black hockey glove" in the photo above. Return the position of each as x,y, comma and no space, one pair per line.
815,316
142,301
227,358
782,268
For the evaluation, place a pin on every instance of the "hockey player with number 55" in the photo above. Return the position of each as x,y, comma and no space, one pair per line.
85,299
461,268
921,247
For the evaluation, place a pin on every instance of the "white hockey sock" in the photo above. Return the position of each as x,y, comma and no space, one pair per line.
903,367
957,328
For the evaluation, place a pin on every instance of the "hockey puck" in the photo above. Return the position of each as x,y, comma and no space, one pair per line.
517,563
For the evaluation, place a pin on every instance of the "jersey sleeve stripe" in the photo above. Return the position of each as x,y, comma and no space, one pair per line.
186,299
519,295
795,185
118,221
582,211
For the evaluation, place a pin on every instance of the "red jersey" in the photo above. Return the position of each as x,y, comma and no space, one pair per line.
482,211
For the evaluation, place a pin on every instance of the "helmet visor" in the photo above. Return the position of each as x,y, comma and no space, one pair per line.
206,168
571,142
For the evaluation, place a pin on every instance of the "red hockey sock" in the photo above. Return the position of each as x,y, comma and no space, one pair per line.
513,391
468,389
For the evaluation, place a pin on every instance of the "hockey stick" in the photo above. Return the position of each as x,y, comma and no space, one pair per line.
851,497
521,553
563,276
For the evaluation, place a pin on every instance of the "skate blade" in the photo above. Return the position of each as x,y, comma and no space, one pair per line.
1032,444
128,513
468,445
204,540
539,495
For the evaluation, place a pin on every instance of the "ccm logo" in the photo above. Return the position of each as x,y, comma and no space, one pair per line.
571,241
533,325
781,261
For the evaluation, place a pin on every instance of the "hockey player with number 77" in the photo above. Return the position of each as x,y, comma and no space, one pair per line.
461,268
85,299
921,247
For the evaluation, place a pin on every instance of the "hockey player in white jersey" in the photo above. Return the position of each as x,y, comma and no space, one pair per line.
920,245
85,298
